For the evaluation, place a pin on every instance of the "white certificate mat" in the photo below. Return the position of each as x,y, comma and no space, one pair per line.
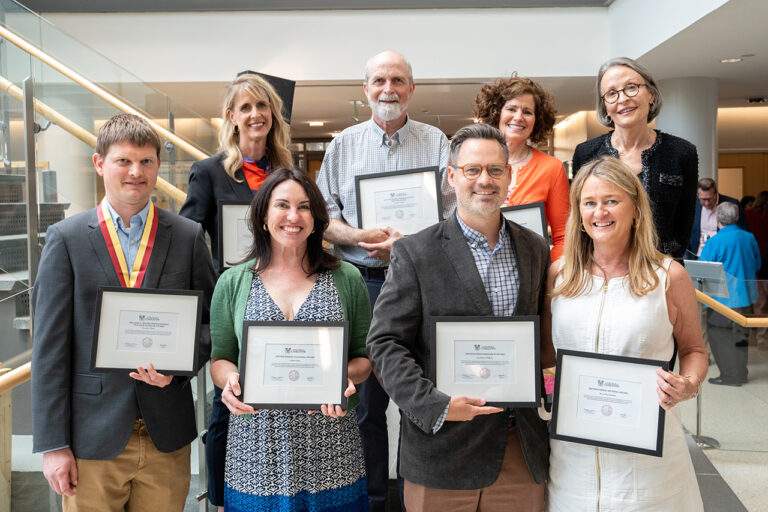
495,358
608,401
407,201
531,216
235,238
135,327
293,365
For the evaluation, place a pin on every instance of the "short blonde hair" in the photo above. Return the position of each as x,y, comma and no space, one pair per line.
644,258
278,138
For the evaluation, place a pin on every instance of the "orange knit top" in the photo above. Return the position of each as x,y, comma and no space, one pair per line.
543,179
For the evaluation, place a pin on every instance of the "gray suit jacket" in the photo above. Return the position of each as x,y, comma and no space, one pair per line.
433,273
94,413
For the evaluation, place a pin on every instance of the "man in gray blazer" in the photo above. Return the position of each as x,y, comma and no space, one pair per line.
457,453
114,441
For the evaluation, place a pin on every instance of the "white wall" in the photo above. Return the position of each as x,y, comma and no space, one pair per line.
334,45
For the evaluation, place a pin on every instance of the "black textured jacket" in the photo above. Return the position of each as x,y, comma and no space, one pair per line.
670,173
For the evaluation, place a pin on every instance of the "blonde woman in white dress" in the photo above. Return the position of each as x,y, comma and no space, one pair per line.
614,293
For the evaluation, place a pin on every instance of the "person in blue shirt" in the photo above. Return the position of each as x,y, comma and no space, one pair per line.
737,250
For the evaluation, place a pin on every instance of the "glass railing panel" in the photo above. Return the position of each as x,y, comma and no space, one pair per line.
734,397
108,74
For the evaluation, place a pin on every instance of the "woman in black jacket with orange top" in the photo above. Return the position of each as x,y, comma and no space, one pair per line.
253,140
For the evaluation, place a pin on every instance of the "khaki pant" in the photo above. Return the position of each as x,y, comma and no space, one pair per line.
139,479
514,489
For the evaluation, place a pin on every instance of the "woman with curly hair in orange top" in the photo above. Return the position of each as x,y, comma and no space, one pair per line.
524,112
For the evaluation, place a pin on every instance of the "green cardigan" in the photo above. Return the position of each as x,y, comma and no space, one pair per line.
231,296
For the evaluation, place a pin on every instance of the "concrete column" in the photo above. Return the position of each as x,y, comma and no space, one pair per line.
690,112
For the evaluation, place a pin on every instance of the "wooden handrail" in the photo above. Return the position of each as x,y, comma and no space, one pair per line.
81,133
729,313
15,377
97,90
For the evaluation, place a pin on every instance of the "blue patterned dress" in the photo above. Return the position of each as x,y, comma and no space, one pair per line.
288,460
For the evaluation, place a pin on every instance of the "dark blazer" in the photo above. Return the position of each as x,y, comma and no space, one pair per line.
434,273
209,183
693,246
672,171
94,413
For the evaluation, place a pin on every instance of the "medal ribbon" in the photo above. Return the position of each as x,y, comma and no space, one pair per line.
140,264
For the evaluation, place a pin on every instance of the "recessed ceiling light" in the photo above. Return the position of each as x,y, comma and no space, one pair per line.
316,123
731,60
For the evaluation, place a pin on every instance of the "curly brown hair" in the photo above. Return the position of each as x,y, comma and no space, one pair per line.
492,97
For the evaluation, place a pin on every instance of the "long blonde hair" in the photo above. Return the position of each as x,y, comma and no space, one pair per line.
644,258
278,138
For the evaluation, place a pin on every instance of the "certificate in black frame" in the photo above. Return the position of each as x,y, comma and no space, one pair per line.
224,264
534,375
656,424
389,176
101,356
530,206
333,394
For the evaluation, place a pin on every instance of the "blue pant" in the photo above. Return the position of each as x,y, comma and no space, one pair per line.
372,420
216,448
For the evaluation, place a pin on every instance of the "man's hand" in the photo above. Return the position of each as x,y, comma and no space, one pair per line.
151,376
462,408
60,469
229,395
380,249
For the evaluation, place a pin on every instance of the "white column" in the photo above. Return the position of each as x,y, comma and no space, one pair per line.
690,112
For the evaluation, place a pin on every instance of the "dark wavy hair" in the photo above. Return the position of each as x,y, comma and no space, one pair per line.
492,97
261,250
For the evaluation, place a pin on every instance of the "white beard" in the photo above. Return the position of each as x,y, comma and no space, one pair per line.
387,111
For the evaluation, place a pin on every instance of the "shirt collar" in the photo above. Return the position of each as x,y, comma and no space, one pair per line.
474,237
399,136
138,219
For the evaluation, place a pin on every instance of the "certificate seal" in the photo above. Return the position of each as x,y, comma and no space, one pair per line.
293,375
607,410
399,214
146,342
485,373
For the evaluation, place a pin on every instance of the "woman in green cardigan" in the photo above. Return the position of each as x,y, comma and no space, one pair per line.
281,459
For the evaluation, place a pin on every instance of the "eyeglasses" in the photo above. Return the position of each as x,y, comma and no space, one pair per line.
473,171
630,91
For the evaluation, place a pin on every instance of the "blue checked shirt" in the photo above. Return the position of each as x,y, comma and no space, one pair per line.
366,149
498,270
130,238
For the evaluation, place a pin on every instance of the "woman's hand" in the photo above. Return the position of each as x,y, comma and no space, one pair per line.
337,411
229,394
151,376
674,388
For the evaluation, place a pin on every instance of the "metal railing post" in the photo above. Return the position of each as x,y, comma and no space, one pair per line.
202,479
702,441
33,243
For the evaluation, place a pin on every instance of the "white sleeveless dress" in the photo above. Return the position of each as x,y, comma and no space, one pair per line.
587,478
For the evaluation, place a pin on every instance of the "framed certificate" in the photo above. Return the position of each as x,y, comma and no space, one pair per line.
235,238
608,401
408,201
496,358
531,216
294,365
137,326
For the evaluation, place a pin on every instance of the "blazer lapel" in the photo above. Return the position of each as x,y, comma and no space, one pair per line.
457,251
241,190
159,252
99,246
